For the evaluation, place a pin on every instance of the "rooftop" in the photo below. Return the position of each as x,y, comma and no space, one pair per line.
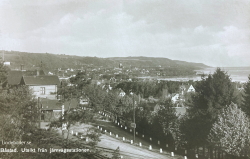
40,80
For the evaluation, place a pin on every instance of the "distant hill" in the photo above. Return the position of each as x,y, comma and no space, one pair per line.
53,61
142,61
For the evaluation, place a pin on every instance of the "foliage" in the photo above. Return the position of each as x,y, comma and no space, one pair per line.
176,133
246,98
110,101
96,96
231,131
195,129
166,115
67,93
3,73
212,95
80,80
18,116
19,122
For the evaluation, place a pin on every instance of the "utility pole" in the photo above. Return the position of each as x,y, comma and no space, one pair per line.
134,125
39,109
134,114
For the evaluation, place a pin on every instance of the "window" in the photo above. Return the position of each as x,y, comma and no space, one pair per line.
42,115
42,90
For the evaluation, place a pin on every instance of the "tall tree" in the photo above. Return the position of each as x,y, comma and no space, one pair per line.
110,101
231,131
68,92
212,95
96,96
246,98
166,115
18,117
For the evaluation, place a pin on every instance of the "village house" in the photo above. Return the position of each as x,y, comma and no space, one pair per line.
51,110
186,89
6,63
84,101
179,98
42,86
122,93
106,87
175,98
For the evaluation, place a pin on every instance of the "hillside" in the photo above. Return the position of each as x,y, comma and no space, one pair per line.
54,61
155,62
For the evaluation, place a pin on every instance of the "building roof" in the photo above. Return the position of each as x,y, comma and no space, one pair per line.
185,88
40,80
48,104
14,77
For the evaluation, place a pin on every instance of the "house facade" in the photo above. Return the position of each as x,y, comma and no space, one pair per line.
175,98
191,89
187,88
122,93
42,86
51,110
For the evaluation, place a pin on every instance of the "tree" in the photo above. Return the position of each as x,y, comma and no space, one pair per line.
96,96
246,98
175,131
166,115
3,73
18,117
68,92
110,101
231,131
19,122
81,80
71,117
212,95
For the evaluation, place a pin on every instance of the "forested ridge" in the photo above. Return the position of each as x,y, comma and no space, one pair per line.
53,61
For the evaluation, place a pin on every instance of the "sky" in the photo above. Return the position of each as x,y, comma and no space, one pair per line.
213,32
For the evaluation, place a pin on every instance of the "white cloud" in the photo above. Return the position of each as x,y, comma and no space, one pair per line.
199,29
237,43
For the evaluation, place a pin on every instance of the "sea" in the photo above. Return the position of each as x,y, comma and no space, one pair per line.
237,74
